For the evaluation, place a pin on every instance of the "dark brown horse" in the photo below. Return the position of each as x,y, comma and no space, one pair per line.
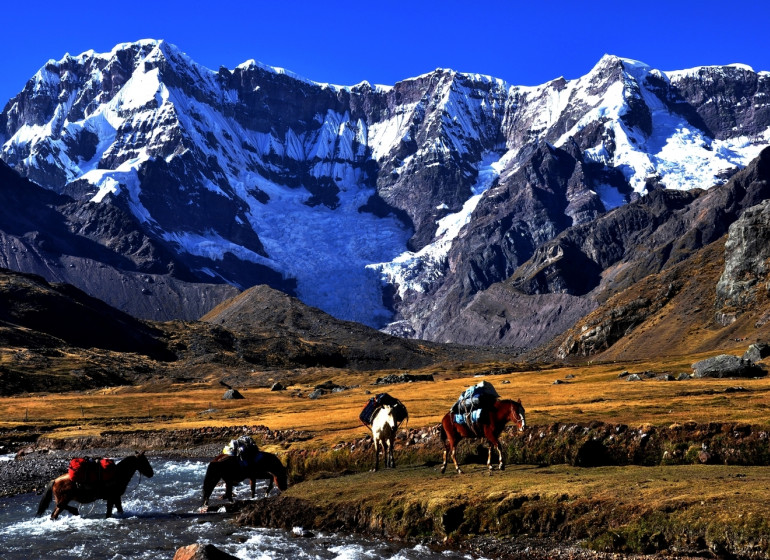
230,469
64,490
489,426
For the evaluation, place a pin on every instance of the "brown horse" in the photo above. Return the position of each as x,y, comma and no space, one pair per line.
64,490
230,469
490,425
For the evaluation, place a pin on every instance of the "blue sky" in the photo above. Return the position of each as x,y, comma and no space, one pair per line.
344,42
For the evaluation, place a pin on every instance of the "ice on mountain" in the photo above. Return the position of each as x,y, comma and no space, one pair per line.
415,271
386,134
610,196
334,253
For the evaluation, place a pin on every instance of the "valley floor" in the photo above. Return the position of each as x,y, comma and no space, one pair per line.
662,496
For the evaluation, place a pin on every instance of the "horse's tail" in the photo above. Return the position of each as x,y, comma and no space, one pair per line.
442,432
45,501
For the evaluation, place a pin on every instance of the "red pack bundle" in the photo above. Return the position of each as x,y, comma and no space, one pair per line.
107,469
84,470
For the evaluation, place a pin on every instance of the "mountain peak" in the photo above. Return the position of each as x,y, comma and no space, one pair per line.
253,176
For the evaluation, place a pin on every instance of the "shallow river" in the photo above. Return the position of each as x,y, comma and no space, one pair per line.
160,515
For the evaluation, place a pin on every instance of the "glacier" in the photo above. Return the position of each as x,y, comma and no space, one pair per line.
169,109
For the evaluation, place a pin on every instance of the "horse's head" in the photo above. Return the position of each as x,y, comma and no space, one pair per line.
383,415
277,469
282,480
517,415
143,465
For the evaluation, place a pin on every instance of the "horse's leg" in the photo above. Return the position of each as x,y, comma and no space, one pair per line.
376,455
253,487
391,453
109,508
448,444
119,505
228,491
494,443
64,505
443,465
454,459
270,483
208,488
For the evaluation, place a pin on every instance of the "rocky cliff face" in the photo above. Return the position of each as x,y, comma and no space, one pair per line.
747,260
99,248
667,229
390,206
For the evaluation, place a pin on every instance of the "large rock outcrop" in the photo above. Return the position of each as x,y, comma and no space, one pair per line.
747,259
726,365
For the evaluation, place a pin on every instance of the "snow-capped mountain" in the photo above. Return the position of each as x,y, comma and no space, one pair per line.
378,204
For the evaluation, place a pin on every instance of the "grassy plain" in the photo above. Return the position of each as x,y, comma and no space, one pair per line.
685,508
585,393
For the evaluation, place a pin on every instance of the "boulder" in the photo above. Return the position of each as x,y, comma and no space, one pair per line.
327,386
757,352
403,378
278,386
726,365
202,552
231,394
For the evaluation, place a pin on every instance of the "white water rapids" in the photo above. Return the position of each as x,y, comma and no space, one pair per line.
160,516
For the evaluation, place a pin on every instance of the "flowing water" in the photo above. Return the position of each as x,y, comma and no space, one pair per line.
160,515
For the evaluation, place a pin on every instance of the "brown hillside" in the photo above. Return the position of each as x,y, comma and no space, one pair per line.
284,326
53,337
672,313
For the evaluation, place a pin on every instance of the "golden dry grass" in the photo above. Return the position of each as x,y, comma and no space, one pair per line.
703,501
692,507
590,392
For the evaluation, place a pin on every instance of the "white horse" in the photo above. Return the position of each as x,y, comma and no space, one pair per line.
384,428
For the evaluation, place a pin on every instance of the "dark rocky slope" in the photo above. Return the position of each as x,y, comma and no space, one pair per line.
101,249
289,331
57,338
620,252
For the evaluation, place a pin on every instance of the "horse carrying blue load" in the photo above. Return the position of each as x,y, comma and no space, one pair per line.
471,403
380,400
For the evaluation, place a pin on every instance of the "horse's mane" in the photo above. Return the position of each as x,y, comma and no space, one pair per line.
130,460
125,460
515,403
